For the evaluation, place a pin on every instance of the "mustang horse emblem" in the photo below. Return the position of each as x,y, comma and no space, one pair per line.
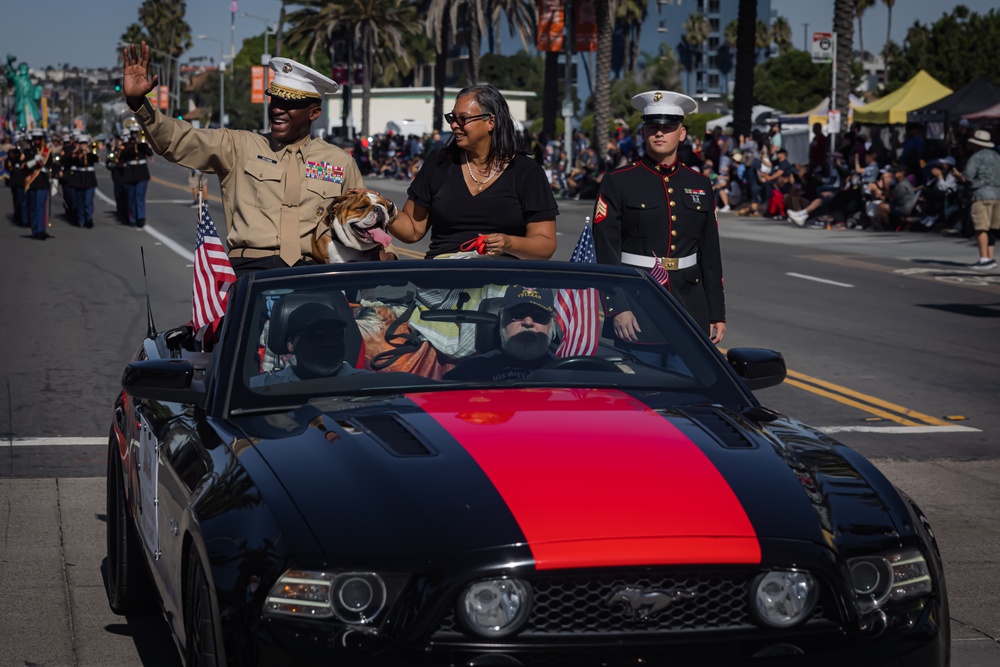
643,603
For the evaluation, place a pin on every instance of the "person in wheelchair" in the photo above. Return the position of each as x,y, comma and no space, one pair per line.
314,334
527,328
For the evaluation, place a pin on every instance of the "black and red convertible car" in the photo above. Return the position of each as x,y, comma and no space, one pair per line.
460,463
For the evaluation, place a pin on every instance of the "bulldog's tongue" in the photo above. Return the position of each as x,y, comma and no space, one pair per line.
379,236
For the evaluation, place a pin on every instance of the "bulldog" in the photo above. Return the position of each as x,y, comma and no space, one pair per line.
354,229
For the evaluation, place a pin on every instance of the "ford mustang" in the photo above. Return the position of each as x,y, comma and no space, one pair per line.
468,463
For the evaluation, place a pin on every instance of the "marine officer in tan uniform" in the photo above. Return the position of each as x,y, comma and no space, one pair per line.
276,187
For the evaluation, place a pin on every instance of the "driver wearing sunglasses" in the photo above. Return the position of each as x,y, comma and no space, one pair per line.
527,328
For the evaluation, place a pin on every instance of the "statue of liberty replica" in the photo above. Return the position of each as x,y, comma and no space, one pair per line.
26,95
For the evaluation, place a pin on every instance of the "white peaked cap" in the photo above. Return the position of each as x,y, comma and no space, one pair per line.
660,105
295,81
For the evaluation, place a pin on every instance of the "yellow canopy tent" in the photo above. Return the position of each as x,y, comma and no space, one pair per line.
918,92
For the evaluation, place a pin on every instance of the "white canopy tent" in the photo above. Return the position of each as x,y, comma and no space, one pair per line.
758,116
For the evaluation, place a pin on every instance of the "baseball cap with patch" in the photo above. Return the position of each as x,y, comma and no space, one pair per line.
517,295
661,106
295,81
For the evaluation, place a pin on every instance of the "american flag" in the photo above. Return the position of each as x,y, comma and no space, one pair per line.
213,274
578,311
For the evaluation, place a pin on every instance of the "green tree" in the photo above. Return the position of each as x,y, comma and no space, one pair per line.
791,81
889,4
943,49
517,72
781,33
471,14
696,30
860,7
660,70
631,14
762,38
522,20
162,26
376,28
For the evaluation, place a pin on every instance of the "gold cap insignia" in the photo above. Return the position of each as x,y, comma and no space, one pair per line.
657,97
287,68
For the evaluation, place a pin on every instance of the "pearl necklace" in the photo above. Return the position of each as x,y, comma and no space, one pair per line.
496,170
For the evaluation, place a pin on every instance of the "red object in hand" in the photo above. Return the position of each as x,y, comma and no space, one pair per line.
478,244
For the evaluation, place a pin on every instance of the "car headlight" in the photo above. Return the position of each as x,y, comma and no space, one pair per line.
783,598
352,597
495,607
894,576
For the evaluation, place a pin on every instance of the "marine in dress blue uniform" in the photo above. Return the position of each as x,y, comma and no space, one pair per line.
658,214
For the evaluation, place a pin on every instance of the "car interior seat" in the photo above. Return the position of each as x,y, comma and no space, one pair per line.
277,333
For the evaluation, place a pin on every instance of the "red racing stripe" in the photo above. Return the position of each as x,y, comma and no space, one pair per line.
595,478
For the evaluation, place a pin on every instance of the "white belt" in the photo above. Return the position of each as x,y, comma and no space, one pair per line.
669,263
137,162
87,169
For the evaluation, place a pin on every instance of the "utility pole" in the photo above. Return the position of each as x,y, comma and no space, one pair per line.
567,110
805,37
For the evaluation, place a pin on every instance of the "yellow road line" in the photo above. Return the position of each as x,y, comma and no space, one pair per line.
852,403
928,419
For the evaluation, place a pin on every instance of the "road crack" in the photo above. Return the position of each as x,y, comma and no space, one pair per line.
975,629
66,587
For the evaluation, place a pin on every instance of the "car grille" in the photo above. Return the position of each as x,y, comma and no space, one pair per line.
578,606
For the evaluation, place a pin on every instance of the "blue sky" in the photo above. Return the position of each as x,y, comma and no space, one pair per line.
83,33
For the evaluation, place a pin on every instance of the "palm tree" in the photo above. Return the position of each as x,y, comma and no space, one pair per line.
632,14
782,34
731,33
474,14
377,27
762,38
745,61
843,28
522,20
696,30
168,35
860,7
888,36
602,75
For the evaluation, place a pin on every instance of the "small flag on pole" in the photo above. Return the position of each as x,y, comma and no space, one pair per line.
213,274
578,311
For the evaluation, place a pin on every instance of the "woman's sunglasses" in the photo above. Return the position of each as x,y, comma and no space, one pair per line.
462,120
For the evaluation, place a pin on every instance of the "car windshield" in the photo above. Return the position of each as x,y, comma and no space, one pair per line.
439,326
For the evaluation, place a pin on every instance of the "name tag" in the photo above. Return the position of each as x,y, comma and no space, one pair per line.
325,171
267,159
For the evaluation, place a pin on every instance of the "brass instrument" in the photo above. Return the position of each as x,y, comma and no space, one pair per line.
93,147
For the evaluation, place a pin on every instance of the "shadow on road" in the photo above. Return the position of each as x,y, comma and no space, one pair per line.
149,632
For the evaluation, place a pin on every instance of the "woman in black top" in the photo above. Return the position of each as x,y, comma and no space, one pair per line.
479,185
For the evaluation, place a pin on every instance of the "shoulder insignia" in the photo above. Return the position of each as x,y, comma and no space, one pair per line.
601,210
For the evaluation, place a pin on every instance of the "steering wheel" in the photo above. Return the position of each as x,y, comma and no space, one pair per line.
583,362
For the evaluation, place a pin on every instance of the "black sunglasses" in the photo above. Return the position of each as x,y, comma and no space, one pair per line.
462,120
665,128
518,313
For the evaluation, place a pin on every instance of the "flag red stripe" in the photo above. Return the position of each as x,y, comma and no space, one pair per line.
595,478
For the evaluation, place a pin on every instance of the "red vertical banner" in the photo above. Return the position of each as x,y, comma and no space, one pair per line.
585,25
551,22
257,84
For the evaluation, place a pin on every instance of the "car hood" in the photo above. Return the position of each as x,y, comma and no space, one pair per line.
577,477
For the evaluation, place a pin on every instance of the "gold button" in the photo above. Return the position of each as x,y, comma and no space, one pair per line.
674,218
319,212
673,232
673,247
673,203
642,205
670,190
657,167
666,179
699,208
696,280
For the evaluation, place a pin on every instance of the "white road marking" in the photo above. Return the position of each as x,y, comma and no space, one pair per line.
898,429
818,280
169,201
53,442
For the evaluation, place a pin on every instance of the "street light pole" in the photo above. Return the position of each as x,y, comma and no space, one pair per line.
222,77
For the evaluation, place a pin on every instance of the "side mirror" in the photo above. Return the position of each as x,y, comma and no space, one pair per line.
167,380
758,367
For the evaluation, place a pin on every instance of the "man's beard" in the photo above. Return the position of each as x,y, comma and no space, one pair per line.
316,359
526,345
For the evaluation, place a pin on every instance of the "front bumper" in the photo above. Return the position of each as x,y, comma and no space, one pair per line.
925,643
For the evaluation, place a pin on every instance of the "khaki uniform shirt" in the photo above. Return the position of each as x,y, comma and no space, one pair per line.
251,170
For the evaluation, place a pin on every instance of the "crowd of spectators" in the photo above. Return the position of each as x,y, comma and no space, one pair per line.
910,184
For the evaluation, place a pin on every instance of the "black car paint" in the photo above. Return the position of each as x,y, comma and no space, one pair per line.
243,477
